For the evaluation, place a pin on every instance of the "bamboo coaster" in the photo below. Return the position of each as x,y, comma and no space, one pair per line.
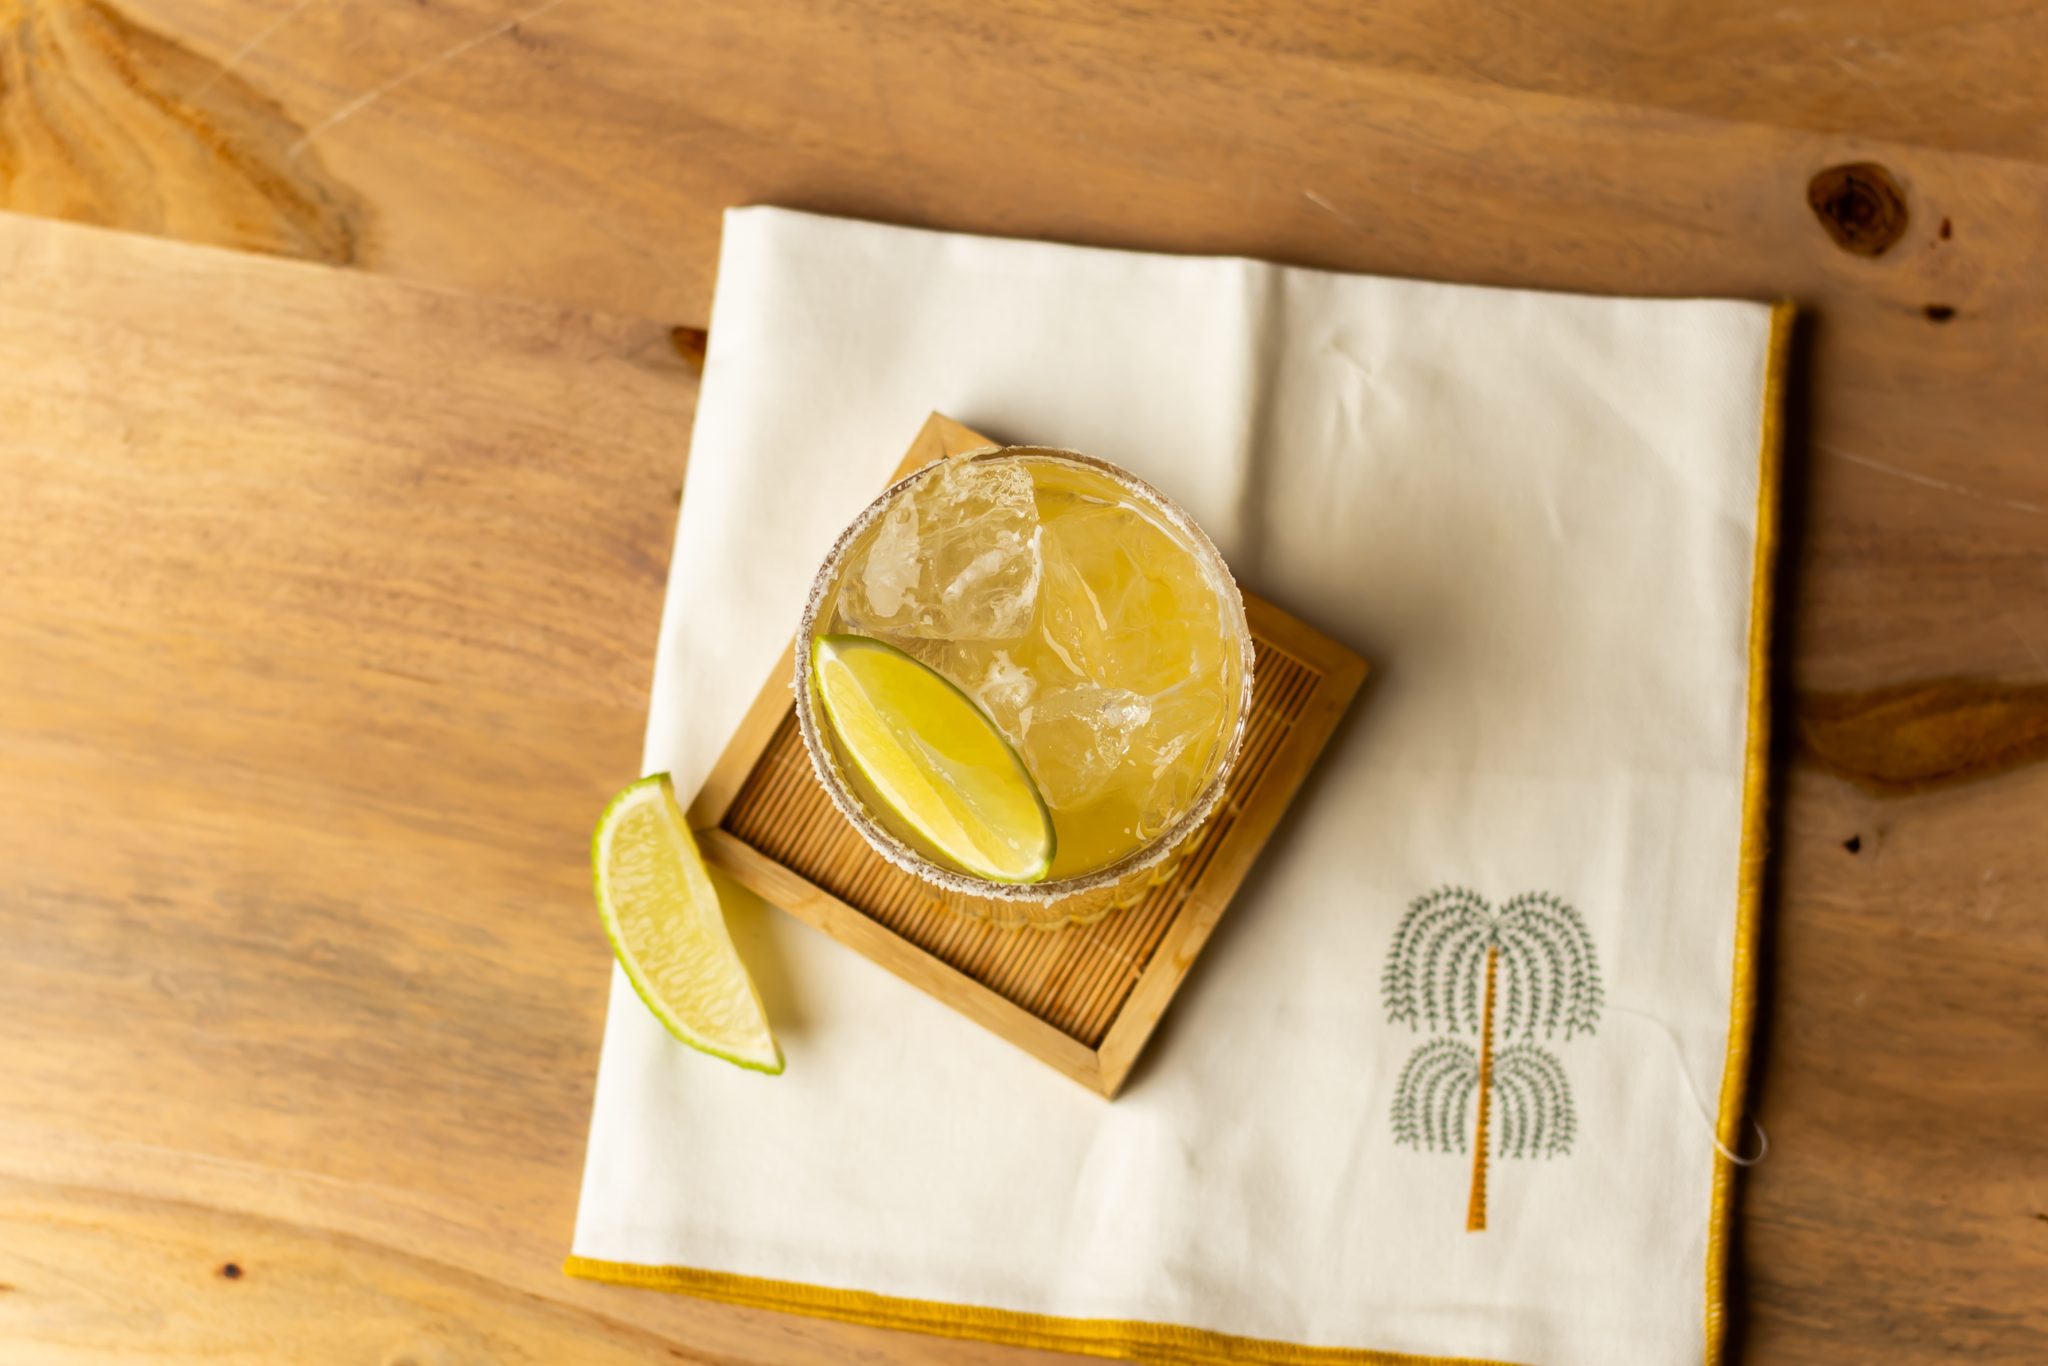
1082,999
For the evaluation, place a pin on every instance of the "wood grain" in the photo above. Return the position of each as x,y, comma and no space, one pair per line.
102,118
580,156
326,628
583,152
1894,741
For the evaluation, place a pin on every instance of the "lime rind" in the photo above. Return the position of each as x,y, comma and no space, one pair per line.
764,1055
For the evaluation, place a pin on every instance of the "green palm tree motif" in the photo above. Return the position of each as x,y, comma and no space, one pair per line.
1460,967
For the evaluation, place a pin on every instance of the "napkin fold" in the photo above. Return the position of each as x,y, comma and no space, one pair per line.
1524,874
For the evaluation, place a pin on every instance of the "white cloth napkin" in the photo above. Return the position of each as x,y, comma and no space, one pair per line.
1539,516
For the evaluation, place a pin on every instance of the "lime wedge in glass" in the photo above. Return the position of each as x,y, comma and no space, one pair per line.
934,759
663,918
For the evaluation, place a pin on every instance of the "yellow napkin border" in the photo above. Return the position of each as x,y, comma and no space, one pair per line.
1175,1346
1117,1338
1756,770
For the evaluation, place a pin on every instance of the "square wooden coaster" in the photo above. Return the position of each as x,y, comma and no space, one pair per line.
1083,999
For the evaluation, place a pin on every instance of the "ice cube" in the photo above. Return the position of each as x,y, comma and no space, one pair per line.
1004,689
1074,739
1174,751
1115,614
956,558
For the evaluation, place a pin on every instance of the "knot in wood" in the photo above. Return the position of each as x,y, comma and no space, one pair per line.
1860,205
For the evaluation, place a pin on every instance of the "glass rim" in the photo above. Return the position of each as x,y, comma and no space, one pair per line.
1147,855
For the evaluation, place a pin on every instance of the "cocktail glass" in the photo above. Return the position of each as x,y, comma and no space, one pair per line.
1091,620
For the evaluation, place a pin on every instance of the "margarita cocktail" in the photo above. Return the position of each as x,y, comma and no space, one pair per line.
1066,607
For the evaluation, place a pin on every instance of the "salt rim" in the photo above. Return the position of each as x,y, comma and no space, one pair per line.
1147,855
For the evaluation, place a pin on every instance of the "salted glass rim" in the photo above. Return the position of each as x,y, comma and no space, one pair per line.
896,851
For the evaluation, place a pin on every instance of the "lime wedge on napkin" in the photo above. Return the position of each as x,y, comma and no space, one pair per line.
663,918
934,758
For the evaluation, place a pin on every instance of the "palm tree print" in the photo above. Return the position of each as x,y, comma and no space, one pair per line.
1459,967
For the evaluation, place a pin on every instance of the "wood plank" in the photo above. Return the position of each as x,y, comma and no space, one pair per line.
582,155
598,130
325,631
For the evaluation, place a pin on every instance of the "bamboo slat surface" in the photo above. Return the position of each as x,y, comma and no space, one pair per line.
1074,979
1085,998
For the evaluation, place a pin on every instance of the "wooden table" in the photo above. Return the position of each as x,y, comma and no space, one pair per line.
330,594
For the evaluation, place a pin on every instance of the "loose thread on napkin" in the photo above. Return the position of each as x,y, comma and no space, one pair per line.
1678,1050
